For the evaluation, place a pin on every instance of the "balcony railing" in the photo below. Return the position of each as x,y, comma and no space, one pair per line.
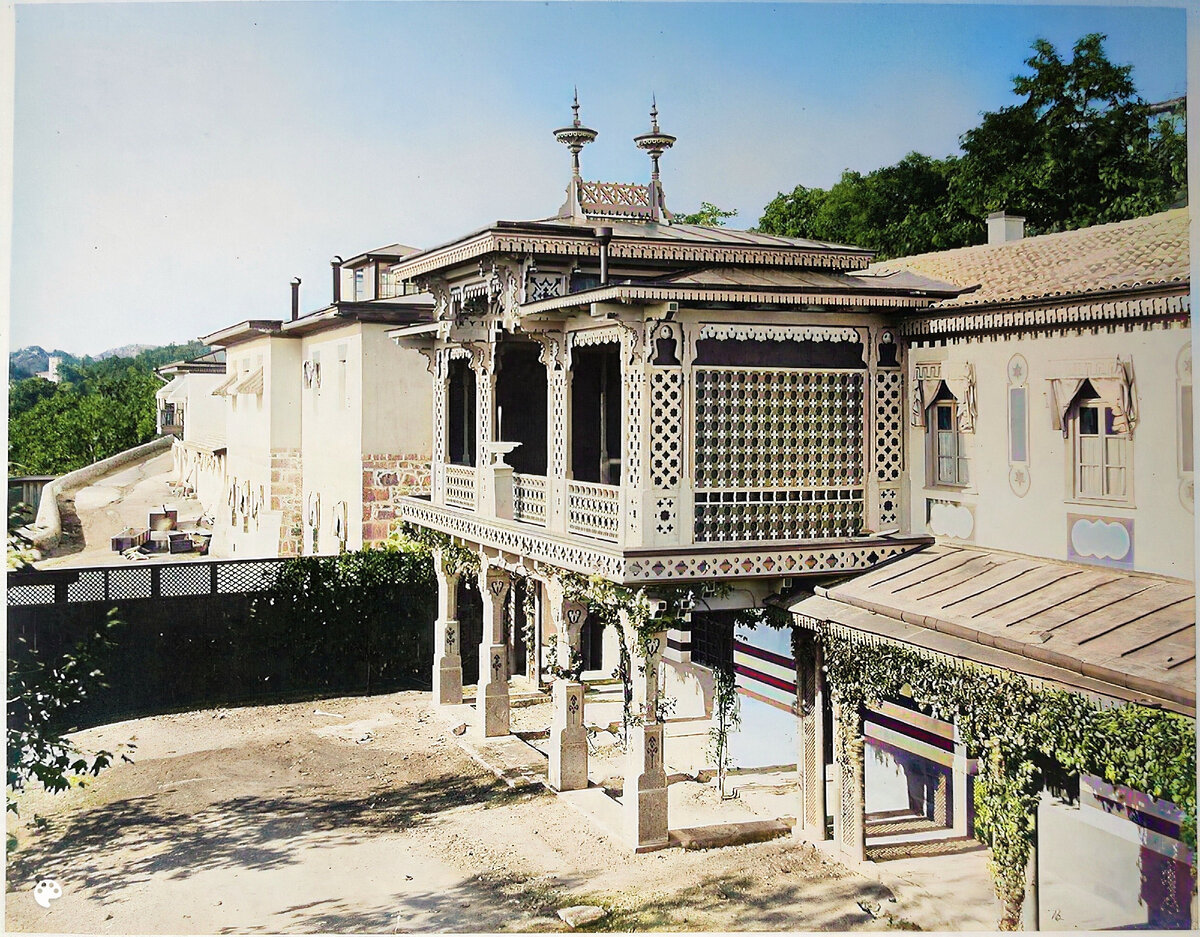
593,510
529,498
460,486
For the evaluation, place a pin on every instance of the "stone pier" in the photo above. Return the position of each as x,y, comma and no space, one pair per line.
491,698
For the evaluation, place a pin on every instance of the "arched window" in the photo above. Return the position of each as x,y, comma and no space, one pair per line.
948,448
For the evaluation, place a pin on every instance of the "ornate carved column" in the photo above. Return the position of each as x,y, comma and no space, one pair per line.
810,737
645,793
568,737
491,698
849,822
554,357
447,655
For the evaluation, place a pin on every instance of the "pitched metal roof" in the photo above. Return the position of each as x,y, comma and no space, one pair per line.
1123,255
636,240
1134,633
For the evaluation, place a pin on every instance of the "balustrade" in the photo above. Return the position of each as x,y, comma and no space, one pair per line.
460,486
593,510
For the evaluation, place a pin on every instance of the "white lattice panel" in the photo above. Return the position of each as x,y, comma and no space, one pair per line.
558,424
460,486
889,425
778,428
889,507
593,510
529,498
666,427
778,454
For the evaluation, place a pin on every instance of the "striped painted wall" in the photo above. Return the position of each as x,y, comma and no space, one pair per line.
900,730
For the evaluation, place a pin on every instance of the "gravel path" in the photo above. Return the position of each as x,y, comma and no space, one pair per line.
362,815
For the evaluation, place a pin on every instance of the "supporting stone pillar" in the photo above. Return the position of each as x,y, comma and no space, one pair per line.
568,737
645,794
960,791
810,736
491,698
849,822
447,654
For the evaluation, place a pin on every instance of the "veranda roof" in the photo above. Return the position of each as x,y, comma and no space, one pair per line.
223,389
1124,634
252,384
164,393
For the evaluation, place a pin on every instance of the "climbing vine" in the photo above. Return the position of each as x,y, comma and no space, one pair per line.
727,717
459,561
1022,734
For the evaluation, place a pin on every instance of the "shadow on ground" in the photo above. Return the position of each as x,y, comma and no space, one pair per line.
246,832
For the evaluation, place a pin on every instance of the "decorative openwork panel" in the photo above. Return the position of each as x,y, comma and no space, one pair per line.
460,486
783,514
529,498
558,423
129,583
778,454
634,387
848,806
185,580
889,425
812,761
593,510
889,507
88,588
666,427
247,576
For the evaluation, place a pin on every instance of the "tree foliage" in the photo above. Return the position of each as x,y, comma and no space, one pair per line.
1079,148
98,408
709,215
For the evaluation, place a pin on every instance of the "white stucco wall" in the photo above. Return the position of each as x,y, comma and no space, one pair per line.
993,514
331,446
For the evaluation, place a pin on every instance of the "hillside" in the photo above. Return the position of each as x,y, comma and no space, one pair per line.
28,361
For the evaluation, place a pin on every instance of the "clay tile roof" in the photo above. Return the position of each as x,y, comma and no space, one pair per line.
1141,252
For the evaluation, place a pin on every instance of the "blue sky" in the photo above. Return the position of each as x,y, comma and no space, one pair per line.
176,164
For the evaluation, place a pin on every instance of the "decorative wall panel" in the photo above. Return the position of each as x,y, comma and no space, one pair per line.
778,454
666,427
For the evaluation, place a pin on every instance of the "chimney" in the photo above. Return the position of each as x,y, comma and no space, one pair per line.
336,264
295,298
604,235
1003,228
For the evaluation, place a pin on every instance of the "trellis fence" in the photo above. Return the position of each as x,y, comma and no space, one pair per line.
201,634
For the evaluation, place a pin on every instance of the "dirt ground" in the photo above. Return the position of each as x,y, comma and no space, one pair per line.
364,815
94,514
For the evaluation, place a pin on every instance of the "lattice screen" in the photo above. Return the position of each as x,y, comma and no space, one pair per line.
558,423
812,761
779,454
666,427
889,425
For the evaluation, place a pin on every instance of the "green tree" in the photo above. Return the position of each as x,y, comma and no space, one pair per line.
709,215
1079,149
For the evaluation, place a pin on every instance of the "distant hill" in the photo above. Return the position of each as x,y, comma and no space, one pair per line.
124,351
33,359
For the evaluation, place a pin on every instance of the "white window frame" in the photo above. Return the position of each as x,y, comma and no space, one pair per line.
939,440
1111,452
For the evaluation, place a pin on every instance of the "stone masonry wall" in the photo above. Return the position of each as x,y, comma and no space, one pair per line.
386,478
285,498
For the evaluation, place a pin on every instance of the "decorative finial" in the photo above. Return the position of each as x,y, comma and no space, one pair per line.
655,143
575,137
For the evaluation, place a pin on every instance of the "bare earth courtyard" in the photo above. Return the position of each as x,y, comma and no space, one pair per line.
363,814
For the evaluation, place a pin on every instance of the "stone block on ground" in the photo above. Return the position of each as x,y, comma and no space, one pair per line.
581,914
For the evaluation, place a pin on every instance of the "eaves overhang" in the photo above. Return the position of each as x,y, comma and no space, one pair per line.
634,294
243,332
380,312
556,240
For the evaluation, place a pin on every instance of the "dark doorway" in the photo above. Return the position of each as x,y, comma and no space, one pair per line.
596,409
591,640
470,628
460,414
521,399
